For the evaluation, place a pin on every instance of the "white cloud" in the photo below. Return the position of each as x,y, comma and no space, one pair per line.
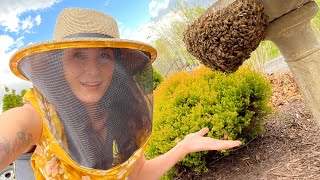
38,19
155,7
10,11
8,47
26,23
158,8
6,42
19,42
161,17
126,33
146,32
9,22
143,33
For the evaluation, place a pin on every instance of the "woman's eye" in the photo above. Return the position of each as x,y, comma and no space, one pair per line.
104,56
79,55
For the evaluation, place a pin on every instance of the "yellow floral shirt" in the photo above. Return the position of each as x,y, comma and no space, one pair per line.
50,161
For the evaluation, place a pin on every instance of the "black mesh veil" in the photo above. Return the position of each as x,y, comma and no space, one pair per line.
102,98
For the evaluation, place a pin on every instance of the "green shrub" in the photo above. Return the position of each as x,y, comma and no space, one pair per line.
146,82
157,79
229,105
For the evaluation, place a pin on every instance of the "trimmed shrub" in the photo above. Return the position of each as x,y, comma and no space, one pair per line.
231,106
157,79
148,83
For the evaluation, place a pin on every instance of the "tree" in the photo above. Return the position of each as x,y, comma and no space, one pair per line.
168,31
11,99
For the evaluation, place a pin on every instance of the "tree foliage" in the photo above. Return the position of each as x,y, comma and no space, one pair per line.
11,99
168,40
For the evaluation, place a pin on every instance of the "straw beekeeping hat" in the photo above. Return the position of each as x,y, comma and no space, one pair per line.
76,28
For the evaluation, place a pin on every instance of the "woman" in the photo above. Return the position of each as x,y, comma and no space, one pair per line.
90,109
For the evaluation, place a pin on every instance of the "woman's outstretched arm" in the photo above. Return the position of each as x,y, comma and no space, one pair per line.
157,167
20,129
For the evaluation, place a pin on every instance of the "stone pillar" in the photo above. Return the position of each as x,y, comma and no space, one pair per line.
296,41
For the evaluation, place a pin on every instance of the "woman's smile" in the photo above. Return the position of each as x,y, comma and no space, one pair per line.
91,85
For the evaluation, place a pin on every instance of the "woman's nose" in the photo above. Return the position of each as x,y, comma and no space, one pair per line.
91,66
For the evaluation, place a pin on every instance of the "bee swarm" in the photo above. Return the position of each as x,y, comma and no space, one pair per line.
224,39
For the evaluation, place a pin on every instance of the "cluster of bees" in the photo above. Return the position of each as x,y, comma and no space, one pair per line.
224,39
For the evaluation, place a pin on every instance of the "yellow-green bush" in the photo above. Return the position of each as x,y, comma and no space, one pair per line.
229,105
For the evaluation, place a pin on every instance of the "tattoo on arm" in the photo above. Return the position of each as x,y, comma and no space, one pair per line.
9,149
22,141
4,151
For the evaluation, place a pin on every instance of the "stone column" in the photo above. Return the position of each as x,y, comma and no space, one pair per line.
296,41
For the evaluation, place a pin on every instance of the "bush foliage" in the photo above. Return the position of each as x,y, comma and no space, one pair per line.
231,106
148,83
157,79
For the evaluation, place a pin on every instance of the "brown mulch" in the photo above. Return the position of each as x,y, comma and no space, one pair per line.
289,148
284,89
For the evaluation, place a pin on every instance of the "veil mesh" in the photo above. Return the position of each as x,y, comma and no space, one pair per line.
98,101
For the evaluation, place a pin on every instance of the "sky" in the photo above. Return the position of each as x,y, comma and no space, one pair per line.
26,22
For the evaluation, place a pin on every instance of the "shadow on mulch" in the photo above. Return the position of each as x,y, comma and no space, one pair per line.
289,149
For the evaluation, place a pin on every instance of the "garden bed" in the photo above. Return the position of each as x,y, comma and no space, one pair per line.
289,148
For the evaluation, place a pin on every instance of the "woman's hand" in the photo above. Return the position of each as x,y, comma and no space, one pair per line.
155,168
195,142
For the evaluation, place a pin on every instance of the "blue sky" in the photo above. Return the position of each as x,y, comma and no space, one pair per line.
26,22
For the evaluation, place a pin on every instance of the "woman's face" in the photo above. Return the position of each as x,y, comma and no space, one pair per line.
88,72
